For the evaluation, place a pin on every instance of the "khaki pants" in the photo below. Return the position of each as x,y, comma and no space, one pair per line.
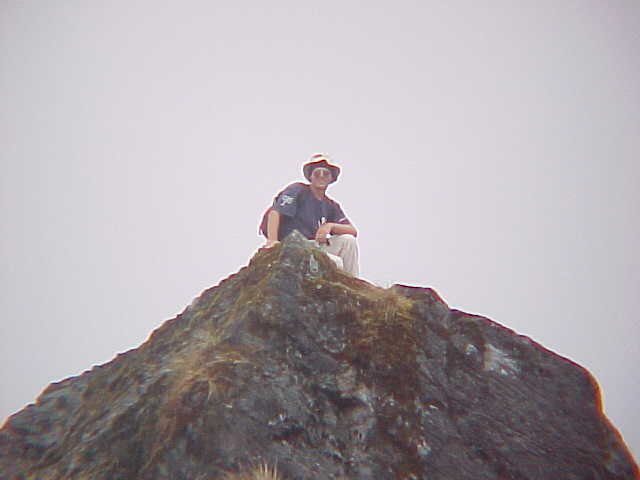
343,250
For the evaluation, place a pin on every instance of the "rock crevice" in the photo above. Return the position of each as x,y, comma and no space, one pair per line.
292,363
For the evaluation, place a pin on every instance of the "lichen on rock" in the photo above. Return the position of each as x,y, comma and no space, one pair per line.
293,363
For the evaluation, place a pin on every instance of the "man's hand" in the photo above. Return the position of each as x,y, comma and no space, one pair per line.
270,243
323,231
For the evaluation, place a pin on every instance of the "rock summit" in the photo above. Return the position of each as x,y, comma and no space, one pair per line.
294,364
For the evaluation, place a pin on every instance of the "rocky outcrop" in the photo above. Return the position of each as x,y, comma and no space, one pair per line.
292,363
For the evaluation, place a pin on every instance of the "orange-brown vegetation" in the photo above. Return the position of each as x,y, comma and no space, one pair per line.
262,472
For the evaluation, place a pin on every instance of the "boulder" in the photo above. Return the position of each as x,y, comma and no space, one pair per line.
294,364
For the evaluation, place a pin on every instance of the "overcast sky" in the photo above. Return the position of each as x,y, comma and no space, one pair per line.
489,150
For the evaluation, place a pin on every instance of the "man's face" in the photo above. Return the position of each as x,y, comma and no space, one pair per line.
321,177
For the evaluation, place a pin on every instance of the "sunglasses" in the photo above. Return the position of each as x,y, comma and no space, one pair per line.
321,172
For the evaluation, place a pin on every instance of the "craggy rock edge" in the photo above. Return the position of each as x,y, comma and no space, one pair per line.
291,362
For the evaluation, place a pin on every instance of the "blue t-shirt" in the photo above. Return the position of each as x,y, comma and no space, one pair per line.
301,210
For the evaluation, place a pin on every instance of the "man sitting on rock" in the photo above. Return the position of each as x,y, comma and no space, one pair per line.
306,208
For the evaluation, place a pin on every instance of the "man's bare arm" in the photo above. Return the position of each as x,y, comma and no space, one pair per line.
343,229
335,229
273,225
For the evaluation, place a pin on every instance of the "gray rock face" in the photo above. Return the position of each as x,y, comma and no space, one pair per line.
293,363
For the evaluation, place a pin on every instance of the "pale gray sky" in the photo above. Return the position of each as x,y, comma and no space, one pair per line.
489,150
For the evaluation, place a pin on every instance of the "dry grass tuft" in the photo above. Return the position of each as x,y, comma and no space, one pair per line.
262,472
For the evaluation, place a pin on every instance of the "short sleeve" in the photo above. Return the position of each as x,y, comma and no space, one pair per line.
286,202
338,215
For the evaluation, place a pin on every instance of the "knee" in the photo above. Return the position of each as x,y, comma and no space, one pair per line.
352,242
348,239
345,242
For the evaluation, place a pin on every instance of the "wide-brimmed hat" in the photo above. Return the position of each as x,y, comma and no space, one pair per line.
320,160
